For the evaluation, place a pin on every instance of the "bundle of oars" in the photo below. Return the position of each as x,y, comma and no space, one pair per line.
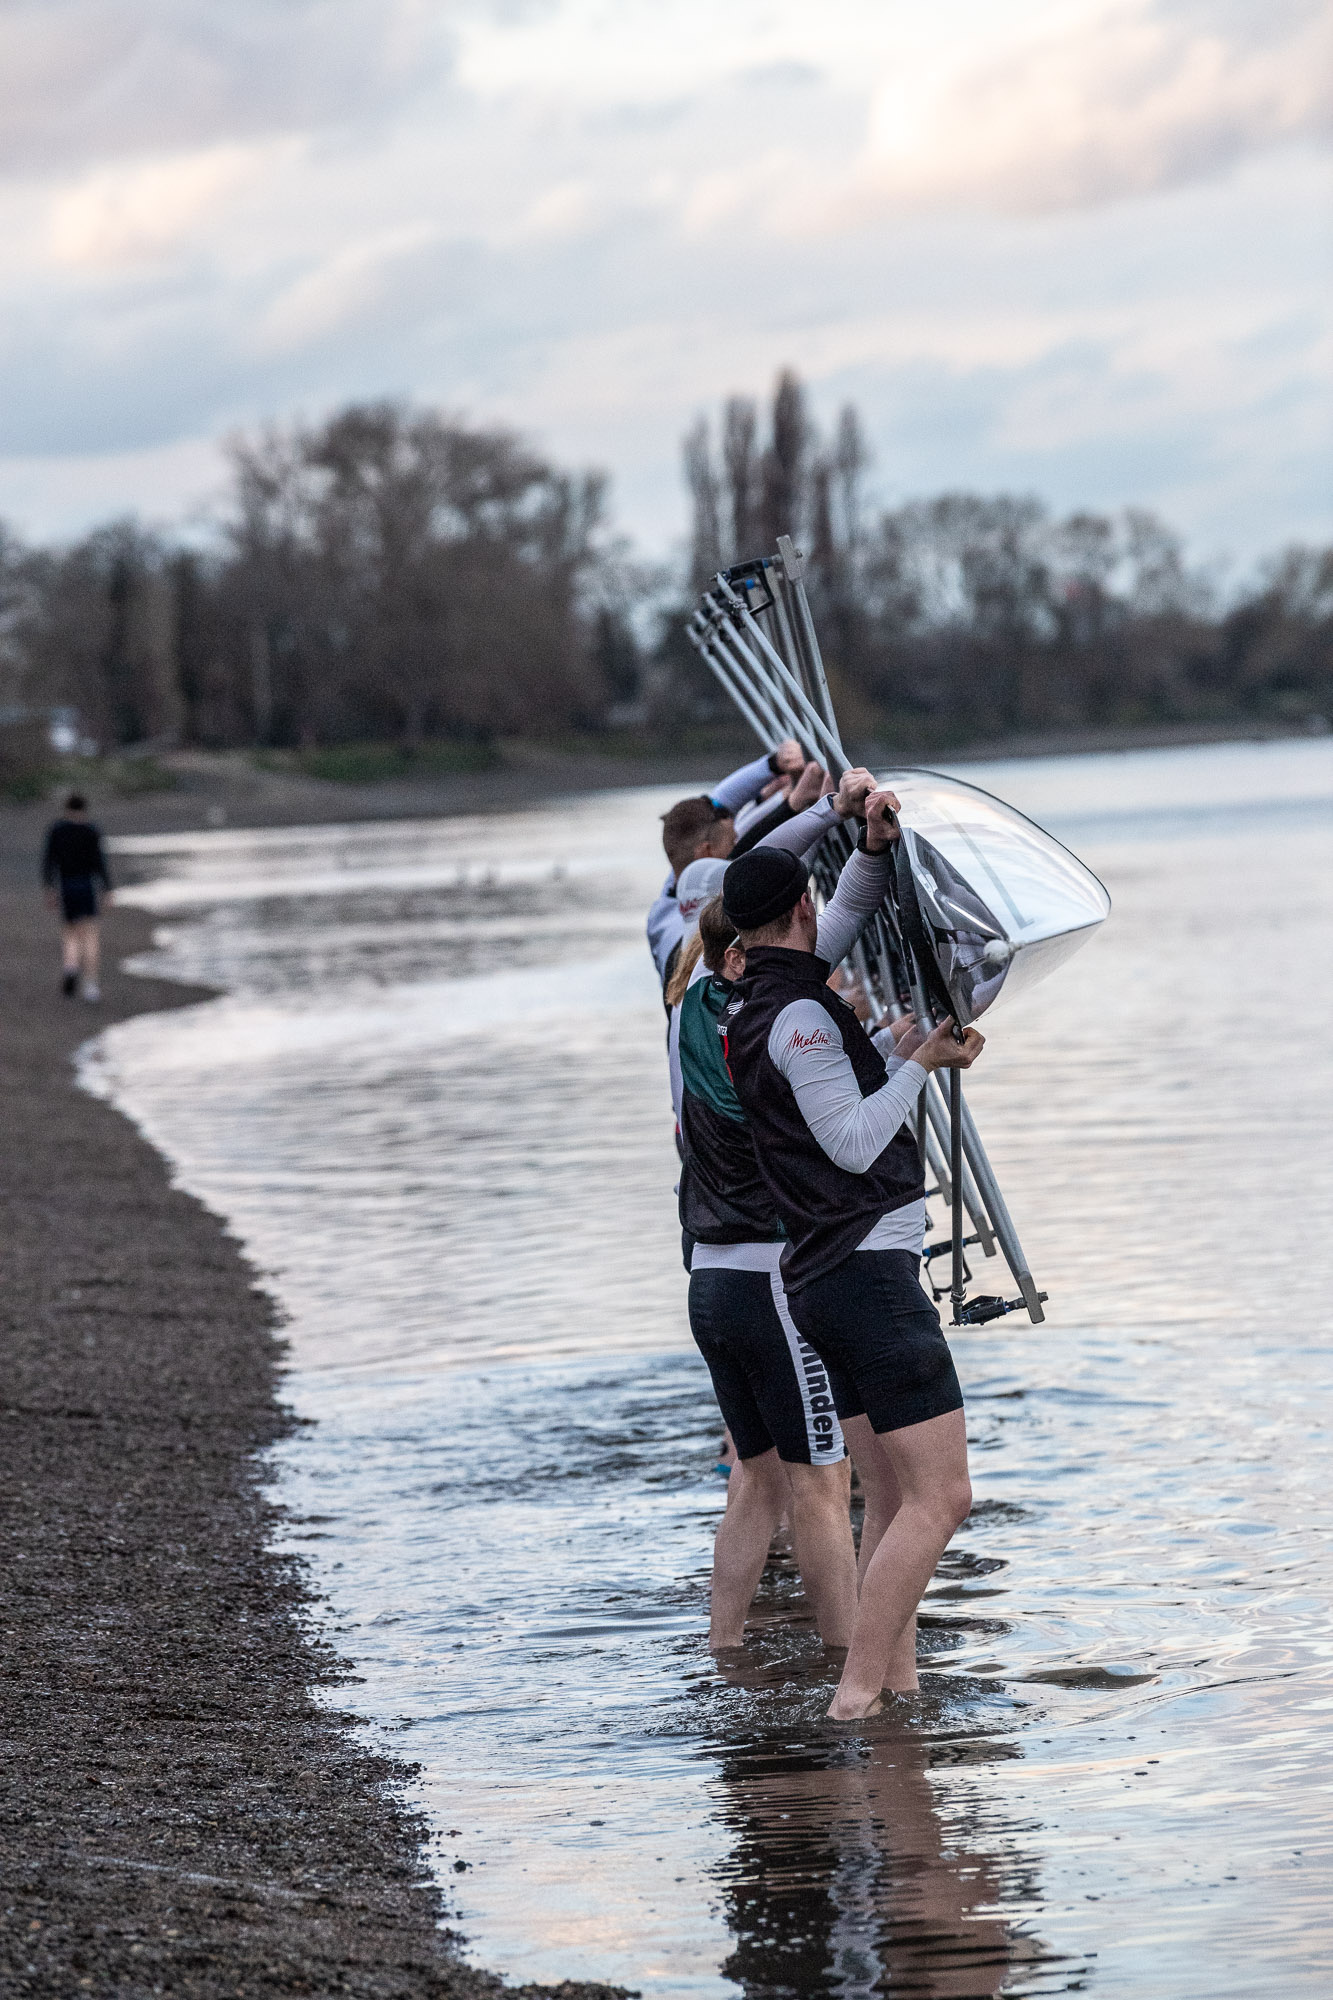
755,631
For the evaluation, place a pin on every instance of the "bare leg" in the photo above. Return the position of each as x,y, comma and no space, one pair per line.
69,948
89,950
822,1533
879,1483
756,1495
930,1462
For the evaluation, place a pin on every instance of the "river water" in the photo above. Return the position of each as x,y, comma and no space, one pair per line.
433,1105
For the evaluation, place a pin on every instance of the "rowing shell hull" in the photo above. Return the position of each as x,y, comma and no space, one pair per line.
1002,902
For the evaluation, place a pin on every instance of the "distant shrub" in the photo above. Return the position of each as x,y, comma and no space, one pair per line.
21,787
376,763
130,777
26,760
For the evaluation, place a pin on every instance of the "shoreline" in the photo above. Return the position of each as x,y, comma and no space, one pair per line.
227,789
185,1814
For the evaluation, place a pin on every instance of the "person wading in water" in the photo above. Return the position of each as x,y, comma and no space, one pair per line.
73,870
830,1119
771,1386
698,882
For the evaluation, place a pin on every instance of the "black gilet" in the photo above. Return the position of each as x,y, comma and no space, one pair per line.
723,1198
825,1209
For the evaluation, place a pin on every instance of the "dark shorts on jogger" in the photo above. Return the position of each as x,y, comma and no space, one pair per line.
78,897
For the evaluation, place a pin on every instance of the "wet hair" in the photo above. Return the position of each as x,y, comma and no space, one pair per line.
687,823
717,933
686,960
76,803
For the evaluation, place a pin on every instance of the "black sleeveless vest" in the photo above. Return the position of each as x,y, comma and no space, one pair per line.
826,1210
723,1198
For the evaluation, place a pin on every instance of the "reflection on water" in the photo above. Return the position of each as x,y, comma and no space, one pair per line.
843,1879
433,1104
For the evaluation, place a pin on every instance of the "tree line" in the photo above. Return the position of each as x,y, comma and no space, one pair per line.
964,617
393,576
385,576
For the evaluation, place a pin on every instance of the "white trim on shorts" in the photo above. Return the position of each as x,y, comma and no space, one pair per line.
901,1229
827,1447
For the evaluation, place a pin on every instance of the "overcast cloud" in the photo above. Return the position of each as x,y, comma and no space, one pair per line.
1080,248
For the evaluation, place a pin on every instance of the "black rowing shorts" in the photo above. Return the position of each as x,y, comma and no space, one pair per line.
771,1386
881,1340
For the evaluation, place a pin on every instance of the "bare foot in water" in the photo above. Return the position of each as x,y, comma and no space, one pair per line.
853,1708
849,1706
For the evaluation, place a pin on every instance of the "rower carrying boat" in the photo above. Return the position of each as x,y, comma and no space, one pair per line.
984,903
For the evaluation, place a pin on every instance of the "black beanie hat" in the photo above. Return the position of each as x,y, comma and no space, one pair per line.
762,886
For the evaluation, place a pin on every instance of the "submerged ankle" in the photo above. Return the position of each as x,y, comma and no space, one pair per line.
849,1705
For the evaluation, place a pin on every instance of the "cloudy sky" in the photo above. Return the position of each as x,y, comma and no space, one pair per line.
1073,247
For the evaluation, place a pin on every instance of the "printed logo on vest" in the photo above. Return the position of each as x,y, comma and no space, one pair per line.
820,1039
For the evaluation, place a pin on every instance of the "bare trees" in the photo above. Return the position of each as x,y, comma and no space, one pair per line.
392,575
989,617
402,576
740,460
386,574
784,468
743,497
970,616
705,502
90,628
1277,643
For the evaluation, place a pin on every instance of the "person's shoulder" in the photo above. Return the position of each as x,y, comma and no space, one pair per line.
802,1028
688,1004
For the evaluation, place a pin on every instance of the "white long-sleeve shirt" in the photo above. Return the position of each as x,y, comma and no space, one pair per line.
665,925
758,809
741,786
853,1130
858,895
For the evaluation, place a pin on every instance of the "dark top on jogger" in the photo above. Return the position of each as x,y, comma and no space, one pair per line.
74,851
826,1209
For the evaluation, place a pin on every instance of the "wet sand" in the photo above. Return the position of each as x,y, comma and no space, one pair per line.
182,1814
